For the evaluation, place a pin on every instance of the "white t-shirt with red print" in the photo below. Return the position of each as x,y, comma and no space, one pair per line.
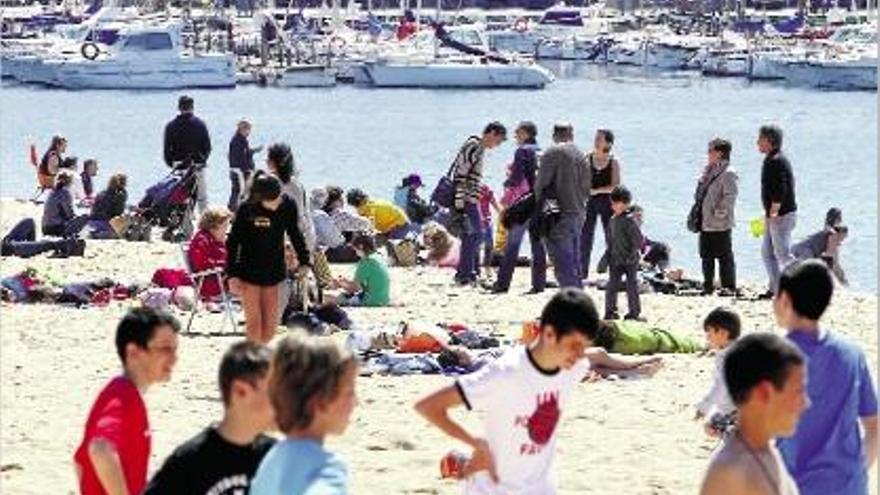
523,404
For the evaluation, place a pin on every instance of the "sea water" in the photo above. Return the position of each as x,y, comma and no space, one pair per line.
370,138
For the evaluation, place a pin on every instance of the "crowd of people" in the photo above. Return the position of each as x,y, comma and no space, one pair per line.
797,414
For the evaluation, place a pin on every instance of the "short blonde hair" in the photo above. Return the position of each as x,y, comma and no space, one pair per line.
305,368
437,239
214,217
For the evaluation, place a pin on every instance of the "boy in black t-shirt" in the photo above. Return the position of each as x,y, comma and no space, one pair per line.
222,459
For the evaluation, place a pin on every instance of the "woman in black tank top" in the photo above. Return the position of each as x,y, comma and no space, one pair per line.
605,173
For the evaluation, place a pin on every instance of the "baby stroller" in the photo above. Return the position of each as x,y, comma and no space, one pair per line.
168,204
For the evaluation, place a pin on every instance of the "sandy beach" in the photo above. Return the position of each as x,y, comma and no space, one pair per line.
622,437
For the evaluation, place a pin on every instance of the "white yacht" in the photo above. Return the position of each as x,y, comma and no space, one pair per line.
146,57
856,70
561,33
460,60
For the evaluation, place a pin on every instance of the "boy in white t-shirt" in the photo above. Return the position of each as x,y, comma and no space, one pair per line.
722,326
523,394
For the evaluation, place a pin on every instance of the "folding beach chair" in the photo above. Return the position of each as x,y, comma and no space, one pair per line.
198,279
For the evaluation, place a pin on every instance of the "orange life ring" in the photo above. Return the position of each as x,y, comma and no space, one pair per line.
521,25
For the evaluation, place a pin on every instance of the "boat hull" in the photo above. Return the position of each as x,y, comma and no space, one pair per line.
457,76
191,72
832,76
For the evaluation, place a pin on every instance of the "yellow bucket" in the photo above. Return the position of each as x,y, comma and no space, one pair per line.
757,227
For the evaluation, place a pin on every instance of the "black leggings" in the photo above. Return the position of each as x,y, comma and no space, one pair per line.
717,246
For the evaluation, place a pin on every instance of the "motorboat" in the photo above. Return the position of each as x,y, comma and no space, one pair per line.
843,71
561,33
148,56
459,58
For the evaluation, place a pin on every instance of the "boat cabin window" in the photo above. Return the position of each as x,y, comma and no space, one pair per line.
149,41
470,38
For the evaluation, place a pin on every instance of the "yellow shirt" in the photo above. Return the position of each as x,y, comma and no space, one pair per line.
384,215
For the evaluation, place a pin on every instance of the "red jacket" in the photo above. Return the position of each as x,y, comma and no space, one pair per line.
205,253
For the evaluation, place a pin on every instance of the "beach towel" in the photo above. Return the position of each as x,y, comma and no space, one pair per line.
171,278
395,364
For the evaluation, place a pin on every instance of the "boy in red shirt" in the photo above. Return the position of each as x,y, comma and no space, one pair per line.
112,458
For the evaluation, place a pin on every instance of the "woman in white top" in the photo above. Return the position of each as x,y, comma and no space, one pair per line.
279,159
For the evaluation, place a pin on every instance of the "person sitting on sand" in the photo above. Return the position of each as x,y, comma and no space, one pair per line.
255,246
207,249
633,338
109,203
348,222
523,394
825,244
371,285
115,450
312,389
443,247
655,254
59,218
89,172
328,236
722,326
767,379
51,162
388,220
406,196
224,457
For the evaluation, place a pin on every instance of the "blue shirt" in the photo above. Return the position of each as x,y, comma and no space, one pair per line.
825,454
301,467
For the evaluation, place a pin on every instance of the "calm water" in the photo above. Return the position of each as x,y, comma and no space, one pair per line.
370,138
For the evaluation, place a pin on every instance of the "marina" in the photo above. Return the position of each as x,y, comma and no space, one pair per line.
127,47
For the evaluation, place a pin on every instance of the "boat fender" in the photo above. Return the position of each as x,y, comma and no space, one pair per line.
521,25
337,46
89,51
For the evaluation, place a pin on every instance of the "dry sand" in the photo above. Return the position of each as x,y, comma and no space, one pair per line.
616,437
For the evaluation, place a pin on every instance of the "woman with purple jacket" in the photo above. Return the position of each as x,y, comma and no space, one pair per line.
521,181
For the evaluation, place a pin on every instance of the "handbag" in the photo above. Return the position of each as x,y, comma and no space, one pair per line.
695,215
444,193
548,212
520,211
